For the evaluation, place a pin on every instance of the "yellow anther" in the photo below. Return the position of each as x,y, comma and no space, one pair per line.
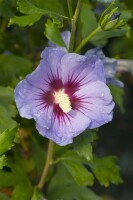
63,100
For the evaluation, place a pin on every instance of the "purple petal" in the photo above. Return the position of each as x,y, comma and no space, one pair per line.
66,38
44,119
82,69
109,66
115,82
109,63
52,136
51,58
98,105
30,104
29,92
63,133
26,97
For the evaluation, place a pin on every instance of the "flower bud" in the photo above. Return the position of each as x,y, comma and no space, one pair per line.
115,16
112,21
110,18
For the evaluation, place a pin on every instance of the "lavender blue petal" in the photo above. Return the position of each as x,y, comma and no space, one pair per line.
109,66
83,69
99,103
63,133
66,38
29,91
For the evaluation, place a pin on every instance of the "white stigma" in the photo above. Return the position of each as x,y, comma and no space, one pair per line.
63,100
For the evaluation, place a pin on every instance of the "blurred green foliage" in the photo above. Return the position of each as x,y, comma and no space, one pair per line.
25,26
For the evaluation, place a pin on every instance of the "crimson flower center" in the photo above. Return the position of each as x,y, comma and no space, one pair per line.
63,100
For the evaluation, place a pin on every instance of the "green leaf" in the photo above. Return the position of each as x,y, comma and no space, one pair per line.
6,139
70,155
38,152
7,109
51,8
13,67
7,98
74,165
82,144
28,8
53,33
35,9
3,161
85,150
80,174
27,164
7,179
86,15
32,12
37,195
39,7
6,120
6,11
50,5
71,192
83,27
106,170
19,181
117,94
62,186
102,36
22,192
25,20
126,15
23,188
3,197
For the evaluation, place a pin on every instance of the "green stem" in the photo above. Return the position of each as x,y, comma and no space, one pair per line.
47,165
69,2
74,22
84,41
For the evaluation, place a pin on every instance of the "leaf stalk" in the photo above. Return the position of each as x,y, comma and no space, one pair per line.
47,165
74,23
85,40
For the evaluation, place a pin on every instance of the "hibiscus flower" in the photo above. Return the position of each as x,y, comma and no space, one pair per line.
66,94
